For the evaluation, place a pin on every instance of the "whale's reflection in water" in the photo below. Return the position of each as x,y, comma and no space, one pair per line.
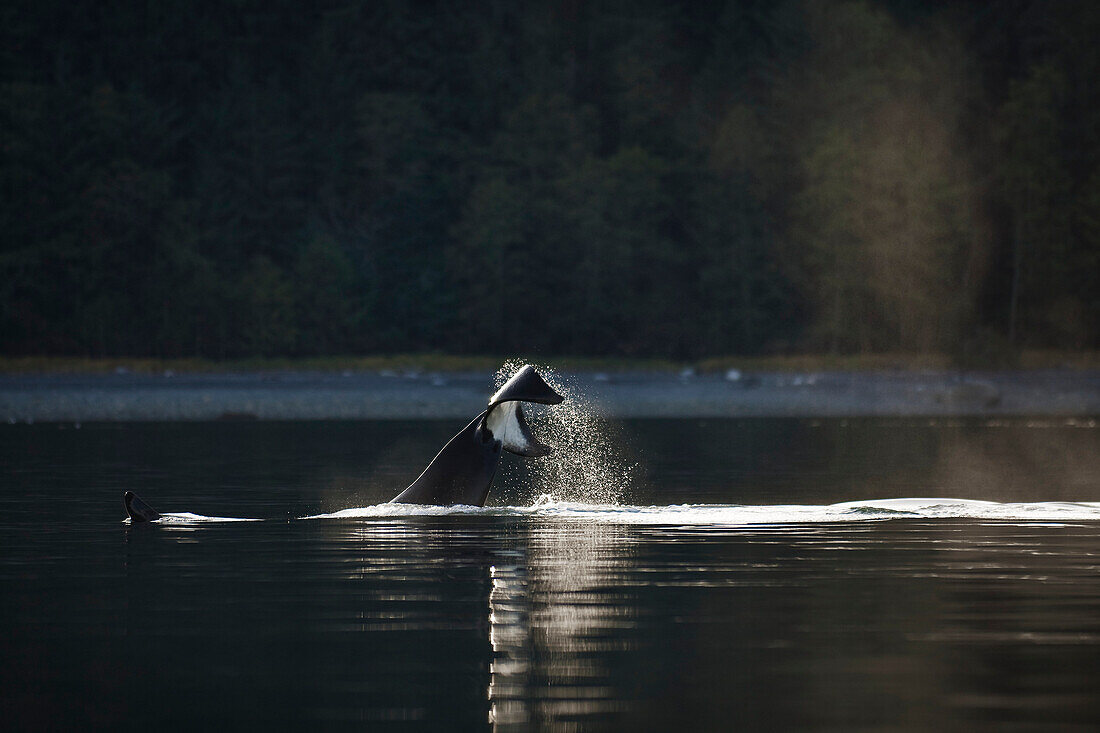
546,599
555,622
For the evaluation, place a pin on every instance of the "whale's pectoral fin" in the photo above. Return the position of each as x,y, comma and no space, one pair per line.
137,509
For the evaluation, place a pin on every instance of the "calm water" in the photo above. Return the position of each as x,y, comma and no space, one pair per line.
766,608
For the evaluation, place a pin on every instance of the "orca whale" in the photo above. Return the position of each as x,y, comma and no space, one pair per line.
138,510
462,472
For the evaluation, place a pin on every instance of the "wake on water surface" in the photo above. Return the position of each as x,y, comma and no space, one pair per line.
735,514
548,508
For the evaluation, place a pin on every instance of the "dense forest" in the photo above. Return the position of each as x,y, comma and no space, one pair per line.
672,179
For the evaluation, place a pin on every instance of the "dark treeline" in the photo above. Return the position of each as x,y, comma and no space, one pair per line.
646,178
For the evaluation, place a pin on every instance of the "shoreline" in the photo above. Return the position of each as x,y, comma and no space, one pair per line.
388,395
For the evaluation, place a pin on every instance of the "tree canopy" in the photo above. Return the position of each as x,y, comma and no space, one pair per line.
666,179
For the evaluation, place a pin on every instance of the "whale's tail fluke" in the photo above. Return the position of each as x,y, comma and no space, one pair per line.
526,385
137,509
463,471
507,424
504,417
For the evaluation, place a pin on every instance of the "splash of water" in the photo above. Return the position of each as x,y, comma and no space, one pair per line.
587,464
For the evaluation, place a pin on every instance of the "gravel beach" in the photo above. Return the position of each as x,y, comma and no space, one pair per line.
388,395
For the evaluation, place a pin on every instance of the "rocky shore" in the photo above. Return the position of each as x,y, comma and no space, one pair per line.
125,396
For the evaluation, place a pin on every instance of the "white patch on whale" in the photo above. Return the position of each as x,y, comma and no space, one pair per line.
505,421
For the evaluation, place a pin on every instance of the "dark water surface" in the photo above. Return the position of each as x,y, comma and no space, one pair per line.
746,613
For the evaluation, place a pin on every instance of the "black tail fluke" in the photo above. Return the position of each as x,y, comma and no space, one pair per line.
505,419
137,509
525,386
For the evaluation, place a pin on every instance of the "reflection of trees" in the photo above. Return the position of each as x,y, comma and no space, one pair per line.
406,639
1021,629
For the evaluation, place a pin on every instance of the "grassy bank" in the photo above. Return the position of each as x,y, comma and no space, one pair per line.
451,363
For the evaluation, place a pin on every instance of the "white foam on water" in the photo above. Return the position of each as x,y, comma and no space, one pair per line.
737,514
189,518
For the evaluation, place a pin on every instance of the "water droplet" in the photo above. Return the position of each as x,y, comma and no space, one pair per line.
587,464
